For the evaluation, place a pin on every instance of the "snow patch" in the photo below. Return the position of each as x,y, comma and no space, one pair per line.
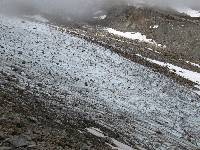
99,133
133,35
187,74
95,132
154,27
101,17
190,12
196,65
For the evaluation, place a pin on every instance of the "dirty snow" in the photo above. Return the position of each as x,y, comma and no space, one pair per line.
133,35
103,82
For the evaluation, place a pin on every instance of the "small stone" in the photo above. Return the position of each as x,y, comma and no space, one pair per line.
20,125
39,84
33,119
158,132
3,83
15,69
20,52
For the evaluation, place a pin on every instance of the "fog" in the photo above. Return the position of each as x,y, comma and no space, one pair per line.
169,3
85,8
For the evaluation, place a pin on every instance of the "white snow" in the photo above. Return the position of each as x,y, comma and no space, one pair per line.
154,27
194,64
95,132
101,17
133,35
187,74
188,11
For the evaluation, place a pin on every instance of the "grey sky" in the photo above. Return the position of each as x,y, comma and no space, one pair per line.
86,7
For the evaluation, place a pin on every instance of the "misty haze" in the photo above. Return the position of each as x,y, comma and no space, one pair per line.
85,8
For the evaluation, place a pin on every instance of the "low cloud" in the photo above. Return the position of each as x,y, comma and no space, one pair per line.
85,8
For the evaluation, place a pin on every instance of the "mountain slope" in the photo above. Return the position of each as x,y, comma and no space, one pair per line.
145,108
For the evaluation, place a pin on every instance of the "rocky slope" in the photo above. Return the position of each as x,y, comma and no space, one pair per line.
180,33
54,84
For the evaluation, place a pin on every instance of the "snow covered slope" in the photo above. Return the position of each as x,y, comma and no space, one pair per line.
145,106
